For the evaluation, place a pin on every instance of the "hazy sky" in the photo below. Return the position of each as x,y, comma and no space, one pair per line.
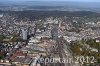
59,0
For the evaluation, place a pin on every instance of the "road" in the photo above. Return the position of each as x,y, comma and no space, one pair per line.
63,52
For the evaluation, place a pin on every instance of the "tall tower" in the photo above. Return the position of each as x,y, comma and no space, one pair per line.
24,34
54,32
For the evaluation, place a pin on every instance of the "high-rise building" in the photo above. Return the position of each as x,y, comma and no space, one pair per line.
24,34
54,32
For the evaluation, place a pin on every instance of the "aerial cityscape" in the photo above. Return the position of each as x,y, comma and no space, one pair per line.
49,33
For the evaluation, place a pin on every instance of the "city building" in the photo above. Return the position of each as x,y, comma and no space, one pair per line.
24,34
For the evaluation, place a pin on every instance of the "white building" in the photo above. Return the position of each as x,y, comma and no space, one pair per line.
24,34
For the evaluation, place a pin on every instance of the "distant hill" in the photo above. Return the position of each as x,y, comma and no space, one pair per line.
42,14
52,3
